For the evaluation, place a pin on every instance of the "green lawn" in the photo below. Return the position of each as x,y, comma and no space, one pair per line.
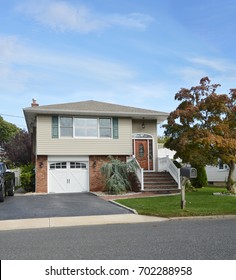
199,203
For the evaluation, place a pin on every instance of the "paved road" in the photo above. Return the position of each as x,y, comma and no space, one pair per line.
57,205
181,240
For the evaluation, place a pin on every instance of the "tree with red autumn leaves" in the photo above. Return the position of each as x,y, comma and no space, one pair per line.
202,129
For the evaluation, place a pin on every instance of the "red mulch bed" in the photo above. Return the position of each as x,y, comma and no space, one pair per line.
128,195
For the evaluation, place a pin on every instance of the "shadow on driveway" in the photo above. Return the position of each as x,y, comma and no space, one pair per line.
57,205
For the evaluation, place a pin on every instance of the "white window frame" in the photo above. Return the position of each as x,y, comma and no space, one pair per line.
61,136
86,137
111,128
58,165
74,165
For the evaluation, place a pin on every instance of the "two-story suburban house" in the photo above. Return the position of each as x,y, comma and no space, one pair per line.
71,142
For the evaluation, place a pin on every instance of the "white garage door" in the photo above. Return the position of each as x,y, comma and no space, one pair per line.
68,176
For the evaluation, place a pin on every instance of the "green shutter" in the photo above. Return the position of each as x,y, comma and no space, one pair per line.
54,126
115,128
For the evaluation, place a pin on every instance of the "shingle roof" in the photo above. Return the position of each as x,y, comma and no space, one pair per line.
94,108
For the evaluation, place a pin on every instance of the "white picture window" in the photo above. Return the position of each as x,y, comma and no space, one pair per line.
86,127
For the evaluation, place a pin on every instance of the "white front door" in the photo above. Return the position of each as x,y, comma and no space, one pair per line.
68,177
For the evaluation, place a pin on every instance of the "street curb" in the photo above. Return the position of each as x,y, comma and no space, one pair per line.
214,217
24,224
123,206
55,222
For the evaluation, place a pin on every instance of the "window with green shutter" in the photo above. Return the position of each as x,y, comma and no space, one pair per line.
55,127
115,128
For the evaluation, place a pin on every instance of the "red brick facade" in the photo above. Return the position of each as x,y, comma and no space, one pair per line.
96,180
41,174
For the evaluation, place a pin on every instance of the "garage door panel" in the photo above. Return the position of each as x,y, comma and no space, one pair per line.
58,181
79,180
68,177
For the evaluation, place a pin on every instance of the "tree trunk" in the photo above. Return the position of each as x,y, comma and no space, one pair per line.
230,179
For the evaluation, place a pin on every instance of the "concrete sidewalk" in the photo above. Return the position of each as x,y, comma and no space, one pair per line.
54,222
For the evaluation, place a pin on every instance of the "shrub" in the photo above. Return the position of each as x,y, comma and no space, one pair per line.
27,178
116,173
201,180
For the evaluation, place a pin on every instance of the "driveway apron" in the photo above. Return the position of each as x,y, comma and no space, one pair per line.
57,205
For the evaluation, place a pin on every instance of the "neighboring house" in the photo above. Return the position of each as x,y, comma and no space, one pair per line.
164,152
72,141
216,175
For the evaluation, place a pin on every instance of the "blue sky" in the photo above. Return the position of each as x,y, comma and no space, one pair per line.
130,52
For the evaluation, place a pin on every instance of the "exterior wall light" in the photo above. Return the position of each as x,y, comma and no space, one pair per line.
143,124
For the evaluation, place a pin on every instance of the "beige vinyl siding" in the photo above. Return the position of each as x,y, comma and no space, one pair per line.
150,127
46,145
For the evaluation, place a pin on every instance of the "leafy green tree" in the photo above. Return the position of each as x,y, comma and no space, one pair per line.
7,131
202,128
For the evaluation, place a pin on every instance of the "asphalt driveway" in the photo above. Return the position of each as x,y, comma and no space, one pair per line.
57,205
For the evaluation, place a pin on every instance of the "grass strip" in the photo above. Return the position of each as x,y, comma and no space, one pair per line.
201,202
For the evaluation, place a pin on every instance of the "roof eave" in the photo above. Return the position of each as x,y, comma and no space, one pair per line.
31,113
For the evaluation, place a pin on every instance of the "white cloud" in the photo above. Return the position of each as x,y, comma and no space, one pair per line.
220,65
219,70
149,90
28,70
11,75
63,16
132,20
189,74
8,45
23,64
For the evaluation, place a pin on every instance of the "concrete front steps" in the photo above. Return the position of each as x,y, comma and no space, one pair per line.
160,182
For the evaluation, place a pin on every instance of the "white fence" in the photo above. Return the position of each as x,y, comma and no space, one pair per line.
17,176
139,171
